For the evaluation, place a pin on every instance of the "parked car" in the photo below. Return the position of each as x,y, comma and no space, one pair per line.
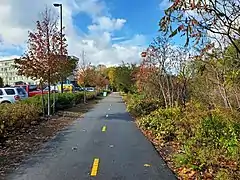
90,89
32,90
12,94
52,88
77,88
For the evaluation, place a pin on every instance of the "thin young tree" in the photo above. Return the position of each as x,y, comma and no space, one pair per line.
83,68
41,60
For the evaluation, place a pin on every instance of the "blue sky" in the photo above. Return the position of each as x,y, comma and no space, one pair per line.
141,18
110,31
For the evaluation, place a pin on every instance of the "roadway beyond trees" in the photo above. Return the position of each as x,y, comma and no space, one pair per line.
104,145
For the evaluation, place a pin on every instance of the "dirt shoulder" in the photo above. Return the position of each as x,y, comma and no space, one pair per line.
23,142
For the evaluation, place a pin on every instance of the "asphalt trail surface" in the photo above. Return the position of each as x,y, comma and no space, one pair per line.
104,145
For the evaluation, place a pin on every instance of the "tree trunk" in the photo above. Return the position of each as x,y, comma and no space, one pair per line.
84,95
168,89
162,90
42,97
49,95
226,97
184,92
54,100
62,89
236,96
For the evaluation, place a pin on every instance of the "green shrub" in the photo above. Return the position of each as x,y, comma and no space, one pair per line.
223,174
162,122
139,106
16,116
91,95
78,98
219,133
35,100
214,139
63,100
66,100
24,112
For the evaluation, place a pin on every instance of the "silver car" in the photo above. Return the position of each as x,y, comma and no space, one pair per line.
12,94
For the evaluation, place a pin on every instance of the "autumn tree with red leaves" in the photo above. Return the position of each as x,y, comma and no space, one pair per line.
201,19
163,73
89,75
84,73
42,60
92,77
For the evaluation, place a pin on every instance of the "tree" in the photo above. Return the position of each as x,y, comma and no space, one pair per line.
111,74
1,82
122,77
83,73
157,69
164,72
42,59
92,76
197,19
232,55
70,67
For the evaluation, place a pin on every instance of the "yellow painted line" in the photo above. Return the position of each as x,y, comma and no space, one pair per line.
104,128
147,165
95,167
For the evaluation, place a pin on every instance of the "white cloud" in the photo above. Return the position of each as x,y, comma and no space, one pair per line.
137,40
104,23
94,8
164,4
8,57
18,17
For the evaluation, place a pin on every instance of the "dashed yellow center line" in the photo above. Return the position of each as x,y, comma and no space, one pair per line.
104,128
95,167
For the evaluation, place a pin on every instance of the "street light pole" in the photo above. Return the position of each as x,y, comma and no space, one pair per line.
61,45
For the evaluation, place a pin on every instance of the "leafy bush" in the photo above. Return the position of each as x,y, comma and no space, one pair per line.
16,116
35,100
91,95
213,133
66,100
139,106
63,100
162,122
24,112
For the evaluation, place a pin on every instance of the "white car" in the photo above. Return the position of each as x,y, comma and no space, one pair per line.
53,88
12,94
90,89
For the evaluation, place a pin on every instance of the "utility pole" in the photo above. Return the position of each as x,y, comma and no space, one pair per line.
83,64
61,50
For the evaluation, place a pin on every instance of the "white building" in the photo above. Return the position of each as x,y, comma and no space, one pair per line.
9,73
